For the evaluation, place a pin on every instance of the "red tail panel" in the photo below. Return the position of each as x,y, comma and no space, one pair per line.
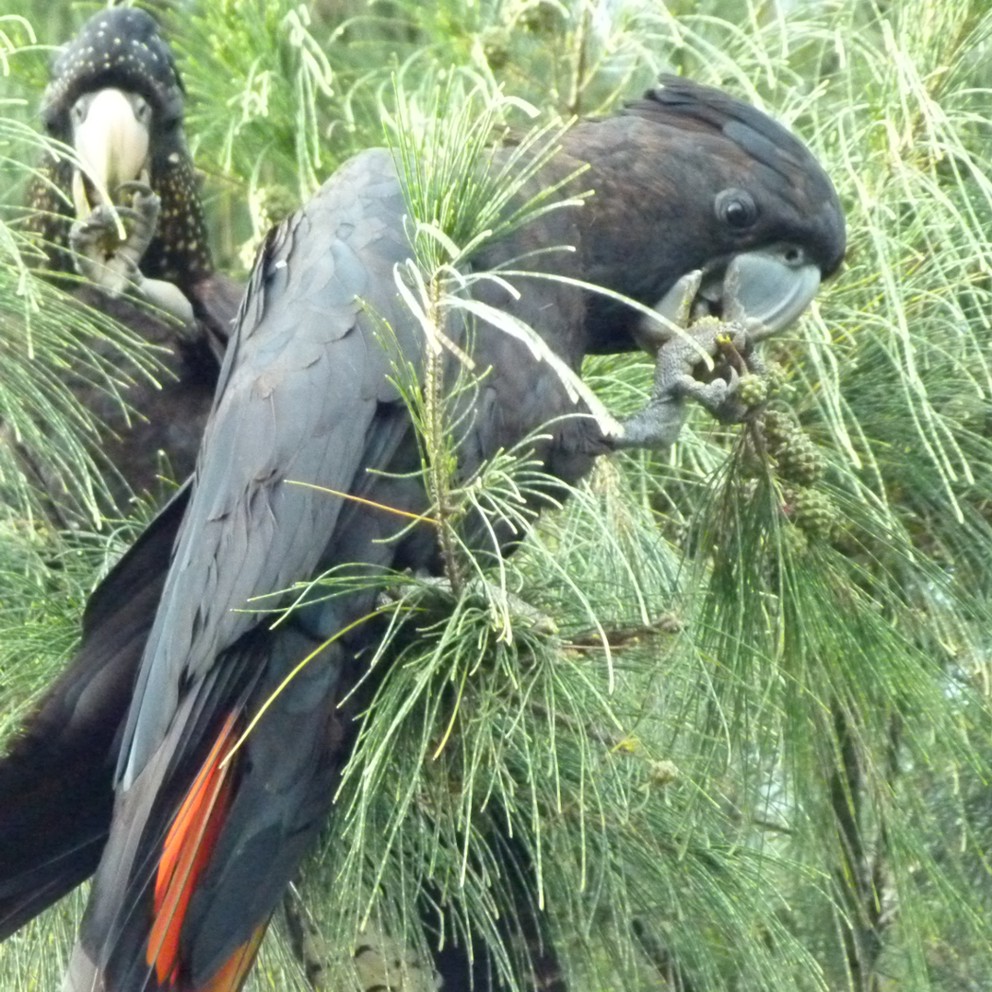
185,854
231,977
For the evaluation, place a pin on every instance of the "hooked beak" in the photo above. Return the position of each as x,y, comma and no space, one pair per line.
764,290
110,133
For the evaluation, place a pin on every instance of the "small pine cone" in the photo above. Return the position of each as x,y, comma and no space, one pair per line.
794,541
663,772
814,513
753,390
779,426
776,380
800,461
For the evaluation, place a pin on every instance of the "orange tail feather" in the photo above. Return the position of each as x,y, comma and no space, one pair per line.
235,970
185,854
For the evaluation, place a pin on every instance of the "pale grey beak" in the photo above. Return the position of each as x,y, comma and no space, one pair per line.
110,132
766,291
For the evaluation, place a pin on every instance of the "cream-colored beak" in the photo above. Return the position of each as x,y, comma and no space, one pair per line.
110,132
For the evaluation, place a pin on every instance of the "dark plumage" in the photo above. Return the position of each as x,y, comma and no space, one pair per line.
305,394
121,48
117,96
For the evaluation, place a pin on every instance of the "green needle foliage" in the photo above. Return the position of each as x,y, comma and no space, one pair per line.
728,708
46,342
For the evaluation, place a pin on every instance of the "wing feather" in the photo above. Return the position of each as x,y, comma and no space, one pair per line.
300,392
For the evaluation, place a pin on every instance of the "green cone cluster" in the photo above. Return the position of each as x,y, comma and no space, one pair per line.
800,466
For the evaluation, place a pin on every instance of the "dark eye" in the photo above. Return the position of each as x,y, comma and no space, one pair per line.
736,208
142,109
79,110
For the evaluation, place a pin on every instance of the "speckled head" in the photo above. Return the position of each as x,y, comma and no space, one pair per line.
120,47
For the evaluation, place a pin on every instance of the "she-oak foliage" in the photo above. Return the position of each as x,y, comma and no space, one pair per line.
732,702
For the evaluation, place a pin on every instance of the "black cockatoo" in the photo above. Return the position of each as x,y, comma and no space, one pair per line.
138,757
117,98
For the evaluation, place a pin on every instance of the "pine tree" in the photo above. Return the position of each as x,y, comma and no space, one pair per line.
734,701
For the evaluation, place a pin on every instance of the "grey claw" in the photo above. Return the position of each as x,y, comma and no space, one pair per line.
137,187
118,237
108,244
105,218
656,427
97,234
